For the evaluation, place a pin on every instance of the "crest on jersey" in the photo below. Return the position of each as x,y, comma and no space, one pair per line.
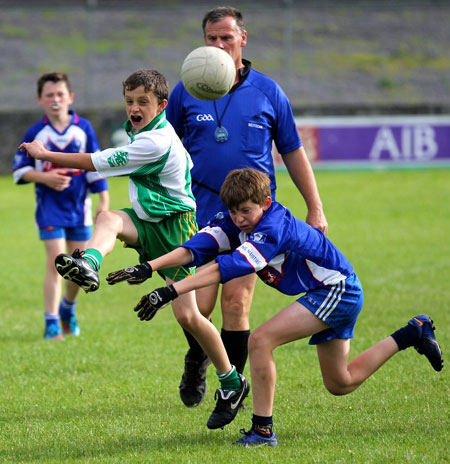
269,277
118,158
258,237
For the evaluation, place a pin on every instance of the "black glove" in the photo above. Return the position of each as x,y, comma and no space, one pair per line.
150,304
133,275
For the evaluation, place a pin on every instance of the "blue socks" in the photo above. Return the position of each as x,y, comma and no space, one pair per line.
262,425
405,337
67,309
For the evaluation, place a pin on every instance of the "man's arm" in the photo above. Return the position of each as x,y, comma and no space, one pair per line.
37,150
302,175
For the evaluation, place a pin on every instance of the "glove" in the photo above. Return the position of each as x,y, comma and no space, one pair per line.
150,304
133,275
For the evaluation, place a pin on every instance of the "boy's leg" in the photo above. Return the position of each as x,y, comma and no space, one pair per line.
67,306
52,288
83,269
341,377
192,387
236,301
292,323
234,387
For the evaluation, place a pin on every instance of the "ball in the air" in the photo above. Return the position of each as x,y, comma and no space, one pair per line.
208,73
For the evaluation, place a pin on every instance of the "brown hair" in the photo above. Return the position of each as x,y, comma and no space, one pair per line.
53,77
217,14
153,81
243,185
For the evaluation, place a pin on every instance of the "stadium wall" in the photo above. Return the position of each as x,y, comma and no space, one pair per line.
358,141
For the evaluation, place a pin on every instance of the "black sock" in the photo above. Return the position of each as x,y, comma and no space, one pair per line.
195,350
262,425
236,345
405,337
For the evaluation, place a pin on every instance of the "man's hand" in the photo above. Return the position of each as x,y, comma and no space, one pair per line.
133,275
317,219
150,304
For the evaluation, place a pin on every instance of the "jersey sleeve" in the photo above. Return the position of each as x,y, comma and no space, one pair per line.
219,236
22,163
92,144
141,155
96,182
174,110
285,133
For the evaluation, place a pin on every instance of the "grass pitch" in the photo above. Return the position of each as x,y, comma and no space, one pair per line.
111,396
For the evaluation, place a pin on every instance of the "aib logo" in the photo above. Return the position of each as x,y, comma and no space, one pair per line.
407,143
204,117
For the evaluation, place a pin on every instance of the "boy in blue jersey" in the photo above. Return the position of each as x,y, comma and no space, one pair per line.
161,218
293,257
236,131
63,204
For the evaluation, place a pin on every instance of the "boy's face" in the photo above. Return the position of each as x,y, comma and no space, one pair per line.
248,214
142,107
55,99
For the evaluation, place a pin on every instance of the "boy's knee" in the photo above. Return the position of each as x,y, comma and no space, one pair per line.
186,320
107,216
256,341
336,388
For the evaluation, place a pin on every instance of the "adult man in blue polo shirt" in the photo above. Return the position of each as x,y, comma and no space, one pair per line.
234,132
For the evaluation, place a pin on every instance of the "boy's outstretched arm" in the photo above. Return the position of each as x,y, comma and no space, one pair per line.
150,304
141,272
36,150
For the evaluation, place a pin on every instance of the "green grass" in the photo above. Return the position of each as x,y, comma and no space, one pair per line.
111,396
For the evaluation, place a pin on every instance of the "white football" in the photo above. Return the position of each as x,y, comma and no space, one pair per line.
208,73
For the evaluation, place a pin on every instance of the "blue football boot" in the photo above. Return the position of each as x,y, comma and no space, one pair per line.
427,343
52,332
70,326
251,438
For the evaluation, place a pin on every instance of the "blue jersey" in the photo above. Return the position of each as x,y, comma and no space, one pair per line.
284,251
72,206
256,113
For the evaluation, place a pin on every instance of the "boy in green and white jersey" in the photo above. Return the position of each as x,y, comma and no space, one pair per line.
162,216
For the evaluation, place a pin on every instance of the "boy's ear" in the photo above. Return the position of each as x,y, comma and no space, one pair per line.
162,105
267,203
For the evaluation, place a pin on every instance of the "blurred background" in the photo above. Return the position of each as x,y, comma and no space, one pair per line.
332,58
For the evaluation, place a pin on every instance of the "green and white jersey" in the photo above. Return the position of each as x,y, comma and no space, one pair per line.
159,169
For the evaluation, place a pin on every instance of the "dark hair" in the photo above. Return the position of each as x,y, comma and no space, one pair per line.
243,185
217,14
153,81
52,77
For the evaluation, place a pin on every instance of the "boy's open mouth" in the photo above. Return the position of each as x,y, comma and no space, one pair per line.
55,106
136,119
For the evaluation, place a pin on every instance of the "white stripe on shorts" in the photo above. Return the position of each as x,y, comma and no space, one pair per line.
331,301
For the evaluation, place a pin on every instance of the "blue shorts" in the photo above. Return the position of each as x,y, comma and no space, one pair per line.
73,234
338,306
